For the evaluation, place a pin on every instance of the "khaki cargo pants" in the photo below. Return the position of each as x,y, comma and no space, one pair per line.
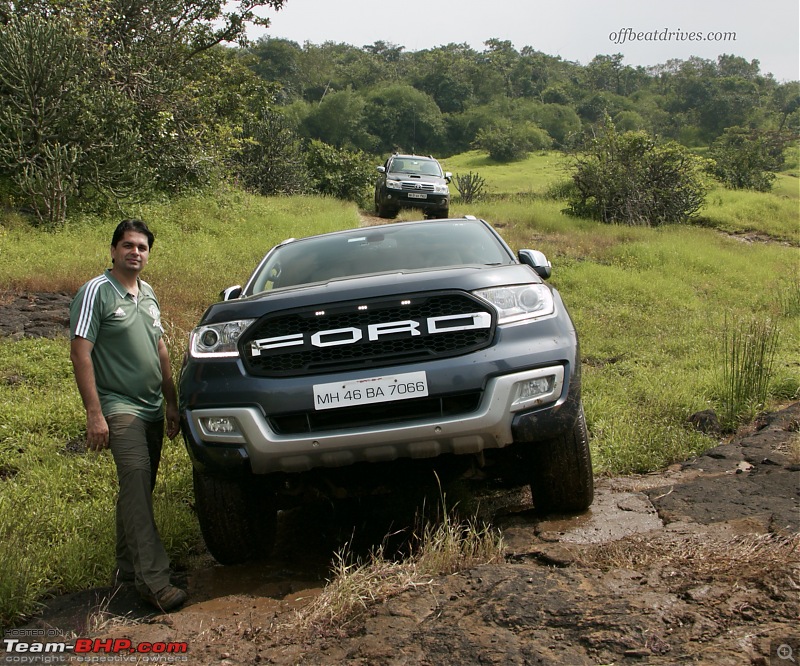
136,447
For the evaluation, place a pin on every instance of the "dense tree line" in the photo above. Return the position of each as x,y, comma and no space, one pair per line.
380,97
102,100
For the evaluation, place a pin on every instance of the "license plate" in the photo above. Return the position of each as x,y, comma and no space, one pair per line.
371,390
417,195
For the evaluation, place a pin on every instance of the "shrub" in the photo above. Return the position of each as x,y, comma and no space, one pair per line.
470,186
748,350
632,179
337,172
506,141
745,159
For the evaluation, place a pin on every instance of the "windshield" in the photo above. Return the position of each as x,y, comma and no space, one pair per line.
414,165
388,248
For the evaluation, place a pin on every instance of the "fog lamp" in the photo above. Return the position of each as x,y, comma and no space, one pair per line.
219,425
531,389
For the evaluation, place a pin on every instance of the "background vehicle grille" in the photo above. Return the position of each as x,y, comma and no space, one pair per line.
388,349
411,186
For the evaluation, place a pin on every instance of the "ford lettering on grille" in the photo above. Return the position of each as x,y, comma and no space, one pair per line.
362,334
373,332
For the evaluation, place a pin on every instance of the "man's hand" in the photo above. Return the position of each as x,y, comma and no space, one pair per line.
173,421
96,432
168,389
96,426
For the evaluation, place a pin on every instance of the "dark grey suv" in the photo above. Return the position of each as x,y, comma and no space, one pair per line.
412,181
381,352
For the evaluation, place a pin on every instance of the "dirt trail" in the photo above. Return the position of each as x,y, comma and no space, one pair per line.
698,564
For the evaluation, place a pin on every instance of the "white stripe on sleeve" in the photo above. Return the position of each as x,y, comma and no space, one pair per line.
87,306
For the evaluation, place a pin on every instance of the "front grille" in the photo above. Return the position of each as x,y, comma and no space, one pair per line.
286,345
373,415
411,186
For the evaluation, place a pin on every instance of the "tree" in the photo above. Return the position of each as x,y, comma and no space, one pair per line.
196,24
103,99
61,133
499,60
631,179
278,60
338,120
745,159
402,117
560,122
448,74
270,159
786,102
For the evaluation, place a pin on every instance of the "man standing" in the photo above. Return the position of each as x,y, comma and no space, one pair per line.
124,377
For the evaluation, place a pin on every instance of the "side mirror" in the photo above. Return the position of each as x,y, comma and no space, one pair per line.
231,293
537,261
448,176
381,169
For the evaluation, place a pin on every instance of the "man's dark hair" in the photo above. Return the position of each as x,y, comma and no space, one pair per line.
132,224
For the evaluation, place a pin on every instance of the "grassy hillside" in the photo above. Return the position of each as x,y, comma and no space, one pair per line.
532,175
652,307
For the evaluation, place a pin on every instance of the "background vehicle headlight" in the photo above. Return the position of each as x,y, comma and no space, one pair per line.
519,302
217,340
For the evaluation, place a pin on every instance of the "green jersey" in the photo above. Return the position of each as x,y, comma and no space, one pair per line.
125,331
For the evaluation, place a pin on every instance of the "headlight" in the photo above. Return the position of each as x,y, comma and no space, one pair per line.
441,189
394,185
217,340
518,302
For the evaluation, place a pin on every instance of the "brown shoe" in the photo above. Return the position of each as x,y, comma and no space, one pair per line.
167,598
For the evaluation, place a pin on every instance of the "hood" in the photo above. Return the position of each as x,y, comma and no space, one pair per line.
395,283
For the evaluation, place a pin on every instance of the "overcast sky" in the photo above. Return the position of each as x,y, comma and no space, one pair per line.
576,30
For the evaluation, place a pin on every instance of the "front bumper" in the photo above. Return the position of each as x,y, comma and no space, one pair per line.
402,199
493,425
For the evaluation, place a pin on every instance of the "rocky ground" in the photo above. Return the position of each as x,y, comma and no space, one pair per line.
699,563
33,314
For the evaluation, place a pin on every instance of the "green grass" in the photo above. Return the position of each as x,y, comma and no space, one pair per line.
534,174
773,214
749,353
56,501
787,185
743,212
650,306
203,244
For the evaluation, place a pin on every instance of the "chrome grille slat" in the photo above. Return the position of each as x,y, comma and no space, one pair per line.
411,186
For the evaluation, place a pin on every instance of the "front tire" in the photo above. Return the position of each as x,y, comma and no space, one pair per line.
560,471
386,212
238,517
